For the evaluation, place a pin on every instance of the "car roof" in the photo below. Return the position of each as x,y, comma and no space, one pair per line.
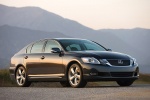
57,39
64,39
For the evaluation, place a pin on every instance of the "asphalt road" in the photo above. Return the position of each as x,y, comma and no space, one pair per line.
135,92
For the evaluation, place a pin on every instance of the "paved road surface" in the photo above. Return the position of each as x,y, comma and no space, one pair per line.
135,92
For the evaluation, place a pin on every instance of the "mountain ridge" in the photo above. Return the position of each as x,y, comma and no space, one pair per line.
32,23
39,19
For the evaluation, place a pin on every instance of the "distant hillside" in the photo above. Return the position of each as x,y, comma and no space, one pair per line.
139,40
38,19
12,39
137,37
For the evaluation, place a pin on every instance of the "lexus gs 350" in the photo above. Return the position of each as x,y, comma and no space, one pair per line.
72,62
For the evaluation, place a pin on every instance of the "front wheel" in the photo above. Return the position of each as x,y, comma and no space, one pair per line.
75,76
21,77
125,82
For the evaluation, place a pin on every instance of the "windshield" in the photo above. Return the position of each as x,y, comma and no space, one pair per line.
80,45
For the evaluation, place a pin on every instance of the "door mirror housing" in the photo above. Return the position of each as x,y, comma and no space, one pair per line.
55,50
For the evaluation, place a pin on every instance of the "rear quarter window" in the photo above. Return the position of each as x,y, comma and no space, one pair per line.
37,47
28,50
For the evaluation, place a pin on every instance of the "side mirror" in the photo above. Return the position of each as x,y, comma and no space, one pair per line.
109,50
55,50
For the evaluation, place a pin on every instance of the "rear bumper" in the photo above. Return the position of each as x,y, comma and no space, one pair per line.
109,73
12,73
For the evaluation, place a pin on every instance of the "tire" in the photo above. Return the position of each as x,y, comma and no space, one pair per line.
65,83
21,77
75,76
125,82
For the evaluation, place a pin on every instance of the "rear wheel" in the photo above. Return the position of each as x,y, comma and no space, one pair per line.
75,76
21,77
125,82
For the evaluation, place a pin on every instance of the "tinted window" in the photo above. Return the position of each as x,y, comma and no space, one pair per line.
80,45
90,46
28,49
37,47
73,47
51,44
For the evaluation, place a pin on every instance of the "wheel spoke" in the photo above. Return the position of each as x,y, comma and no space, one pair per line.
71,78
76,70
19,71
72,71
21,81
75,81
18,77
78,76
23,72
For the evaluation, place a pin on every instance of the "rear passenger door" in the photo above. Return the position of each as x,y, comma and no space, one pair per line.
52,62
32,59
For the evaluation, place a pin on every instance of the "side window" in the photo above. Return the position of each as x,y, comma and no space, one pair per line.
51,44
90,47
73,47
37,47
28,49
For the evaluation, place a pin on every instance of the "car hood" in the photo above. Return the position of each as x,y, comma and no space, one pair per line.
102,54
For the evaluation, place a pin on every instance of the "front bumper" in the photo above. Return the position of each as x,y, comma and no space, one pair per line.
93,72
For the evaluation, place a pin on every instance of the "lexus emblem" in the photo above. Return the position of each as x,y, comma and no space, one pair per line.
120,62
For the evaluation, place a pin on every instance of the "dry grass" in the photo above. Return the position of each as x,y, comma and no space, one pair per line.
144,78
5,78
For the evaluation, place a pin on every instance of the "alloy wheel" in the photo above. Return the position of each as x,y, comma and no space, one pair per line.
21,76
74,75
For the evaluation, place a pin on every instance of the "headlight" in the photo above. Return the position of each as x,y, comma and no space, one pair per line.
132,62
105,62
90,60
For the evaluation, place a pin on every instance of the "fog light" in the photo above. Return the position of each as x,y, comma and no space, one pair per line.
93,74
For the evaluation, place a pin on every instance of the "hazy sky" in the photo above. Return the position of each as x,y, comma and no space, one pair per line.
96,14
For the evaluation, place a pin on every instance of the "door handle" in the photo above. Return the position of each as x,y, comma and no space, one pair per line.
42,57
25,57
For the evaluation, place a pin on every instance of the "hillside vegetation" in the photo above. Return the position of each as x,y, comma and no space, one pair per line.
5,81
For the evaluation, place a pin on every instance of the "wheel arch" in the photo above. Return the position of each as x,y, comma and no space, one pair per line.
72,62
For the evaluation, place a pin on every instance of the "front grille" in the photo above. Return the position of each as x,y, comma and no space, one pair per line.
121,74
119,62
